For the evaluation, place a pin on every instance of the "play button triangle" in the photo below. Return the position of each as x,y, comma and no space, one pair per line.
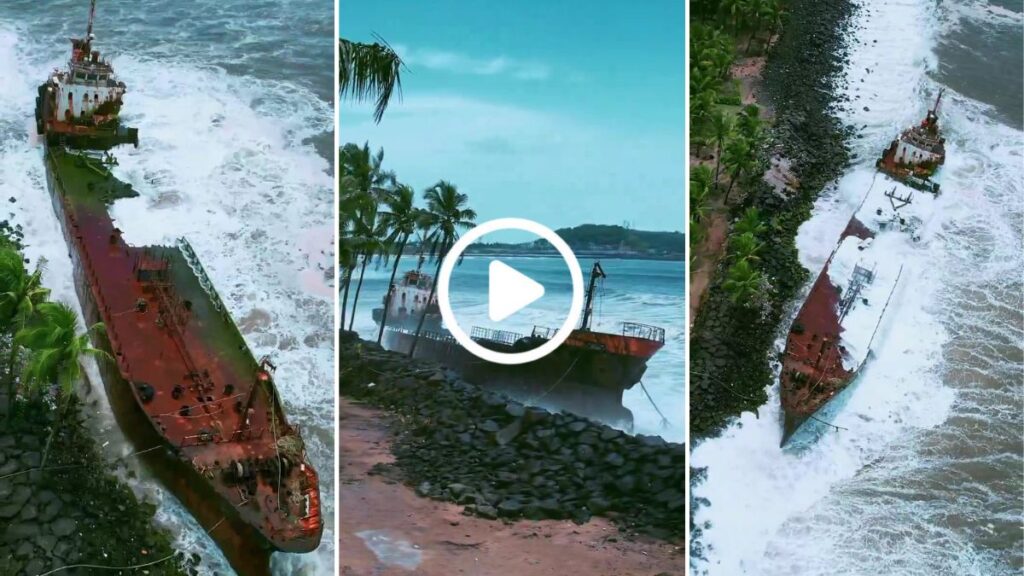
509,291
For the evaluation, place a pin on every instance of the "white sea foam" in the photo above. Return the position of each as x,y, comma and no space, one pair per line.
222,162
808,511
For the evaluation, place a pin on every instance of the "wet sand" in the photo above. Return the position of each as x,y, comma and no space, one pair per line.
387,530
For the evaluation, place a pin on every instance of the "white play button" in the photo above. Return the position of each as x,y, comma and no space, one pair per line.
509,291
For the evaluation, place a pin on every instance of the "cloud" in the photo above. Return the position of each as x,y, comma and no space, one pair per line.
456,63
517,161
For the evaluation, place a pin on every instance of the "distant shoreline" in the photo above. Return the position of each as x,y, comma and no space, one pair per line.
579,255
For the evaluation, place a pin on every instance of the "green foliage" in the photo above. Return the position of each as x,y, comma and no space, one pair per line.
743,282
750,223
57,347
744,247
369,72
447,215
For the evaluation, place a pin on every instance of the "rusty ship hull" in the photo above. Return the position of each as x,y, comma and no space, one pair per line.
582,377
587,374
234,535
813,373
97,252
184,387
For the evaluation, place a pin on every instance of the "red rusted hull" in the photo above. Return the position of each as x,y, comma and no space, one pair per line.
812,365
160,353
579,376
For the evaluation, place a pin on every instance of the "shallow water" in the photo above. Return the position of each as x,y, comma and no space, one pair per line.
924,476
233,102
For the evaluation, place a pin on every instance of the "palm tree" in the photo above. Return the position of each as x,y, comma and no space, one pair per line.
367,240
749,122
733,11
754,10
742,282
20,294
722,128
446,215
369,72
738,159
698,232
364,173
363,184
57,350
700,188
744,247
771,12
750,223
400,220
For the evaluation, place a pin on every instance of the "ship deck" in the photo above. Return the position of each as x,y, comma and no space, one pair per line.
166,330
147,349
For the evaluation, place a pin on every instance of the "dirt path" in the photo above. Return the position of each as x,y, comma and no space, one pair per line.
748,72
706,259
387,530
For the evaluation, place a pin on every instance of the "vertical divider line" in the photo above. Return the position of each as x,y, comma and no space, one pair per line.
337,284
686,287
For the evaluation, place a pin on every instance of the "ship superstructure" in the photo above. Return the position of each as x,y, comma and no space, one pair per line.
587,374
916,154
182,375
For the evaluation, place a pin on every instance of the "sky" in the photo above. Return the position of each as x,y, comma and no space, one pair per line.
565,112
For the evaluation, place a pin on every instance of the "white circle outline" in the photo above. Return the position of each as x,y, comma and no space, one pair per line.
448,266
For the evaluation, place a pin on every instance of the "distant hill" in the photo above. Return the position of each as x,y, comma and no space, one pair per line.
600,240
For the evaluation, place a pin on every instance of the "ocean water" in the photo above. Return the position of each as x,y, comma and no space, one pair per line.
925,475
645,291
233,102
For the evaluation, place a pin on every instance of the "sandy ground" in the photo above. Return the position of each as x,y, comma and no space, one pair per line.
748,72
706,258
387,530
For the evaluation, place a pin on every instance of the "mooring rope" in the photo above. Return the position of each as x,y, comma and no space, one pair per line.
71,466
557,382
133,567
664,421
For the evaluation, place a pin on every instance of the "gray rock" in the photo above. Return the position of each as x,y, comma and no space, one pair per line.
50,511
21,531
63,527
457,489
511,507
614,459
29,512
486,511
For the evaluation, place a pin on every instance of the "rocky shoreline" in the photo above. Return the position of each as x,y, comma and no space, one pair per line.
731,344
76,511
731,363
499,459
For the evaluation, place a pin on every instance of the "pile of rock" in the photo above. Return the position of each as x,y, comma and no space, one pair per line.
73,512
499,458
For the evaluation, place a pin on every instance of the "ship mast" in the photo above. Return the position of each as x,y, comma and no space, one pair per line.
933,114
92,17
938,99
588,306
88,29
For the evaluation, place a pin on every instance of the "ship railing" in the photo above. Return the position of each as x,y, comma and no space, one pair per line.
643,331
543,332
426,334
501,336
192,260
